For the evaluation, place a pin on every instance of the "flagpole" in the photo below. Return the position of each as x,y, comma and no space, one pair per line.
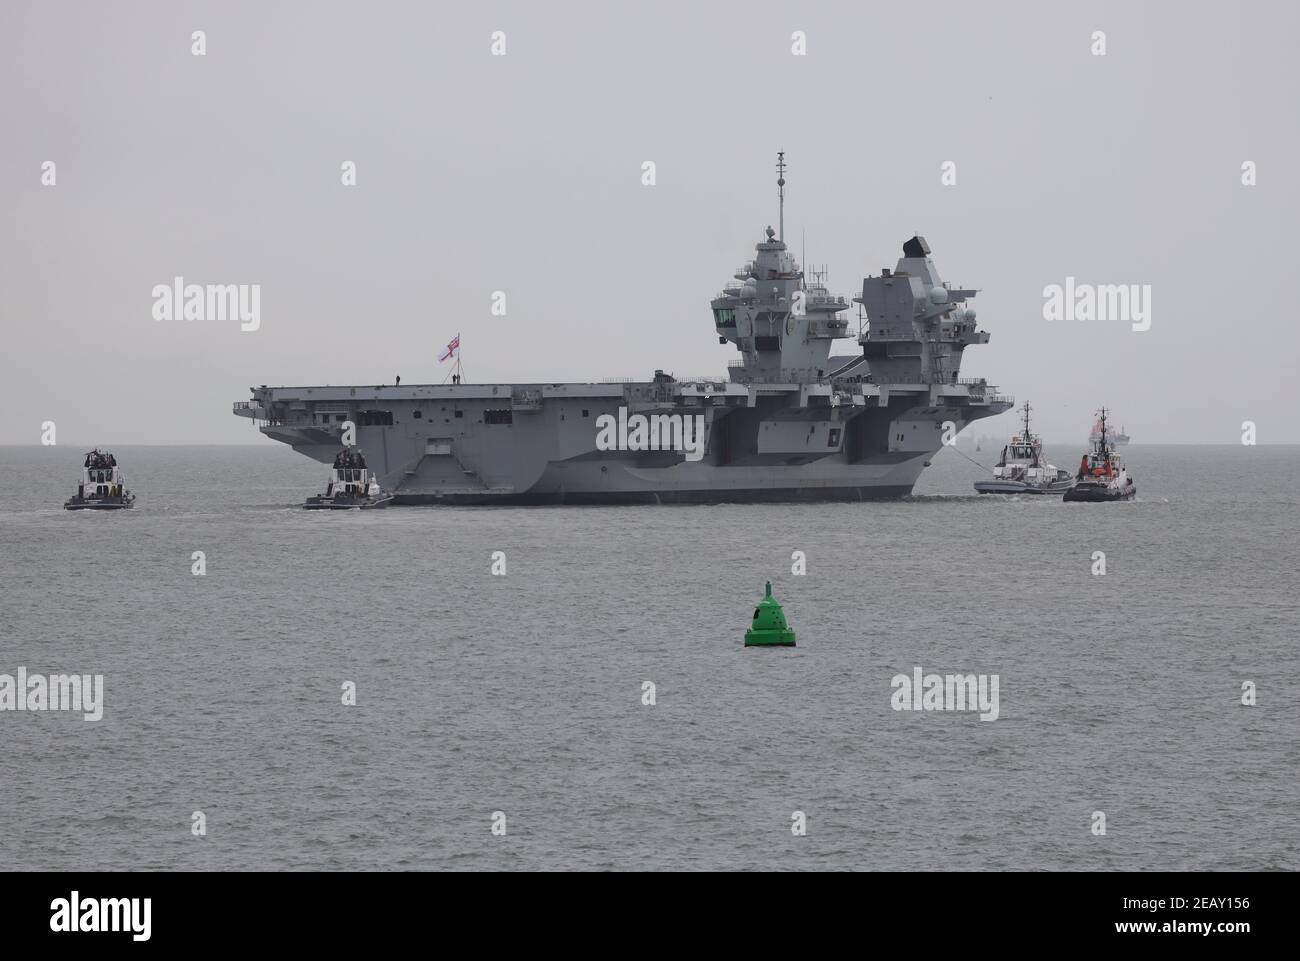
457,370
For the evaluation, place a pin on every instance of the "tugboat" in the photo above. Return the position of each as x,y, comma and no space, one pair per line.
351,486
1102,475
102,487
1022,470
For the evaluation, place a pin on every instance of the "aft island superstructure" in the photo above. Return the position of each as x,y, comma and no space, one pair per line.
789,422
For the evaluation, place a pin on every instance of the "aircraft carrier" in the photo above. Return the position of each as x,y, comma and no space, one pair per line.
789,422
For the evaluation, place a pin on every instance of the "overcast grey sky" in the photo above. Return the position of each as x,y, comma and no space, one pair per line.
522,173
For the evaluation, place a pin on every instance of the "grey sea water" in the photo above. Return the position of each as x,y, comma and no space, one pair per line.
522,693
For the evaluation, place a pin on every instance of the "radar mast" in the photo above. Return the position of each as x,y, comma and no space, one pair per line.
780,193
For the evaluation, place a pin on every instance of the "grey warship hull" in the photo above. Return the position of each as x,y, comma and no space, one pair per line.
536,444
791,421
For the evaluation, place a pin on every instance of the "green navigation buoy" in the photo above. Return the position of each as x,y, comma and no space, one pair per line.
769,628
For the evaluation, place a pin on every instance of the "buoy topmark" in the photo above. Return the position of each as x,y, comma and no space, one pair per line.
769,628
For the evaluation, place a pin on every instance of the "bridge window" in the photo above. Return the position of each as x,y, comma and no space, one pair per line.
498,417
375,418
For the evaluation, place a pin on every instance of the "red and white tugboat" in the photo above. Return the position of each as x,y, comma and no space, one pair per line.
352,486
1102,475
102,487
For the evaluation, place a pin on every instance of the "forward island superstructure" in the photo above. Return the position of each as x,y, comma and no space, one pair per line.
789,422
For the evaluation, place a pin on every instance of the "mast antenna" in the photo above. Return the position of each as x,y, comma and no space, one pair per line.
780,192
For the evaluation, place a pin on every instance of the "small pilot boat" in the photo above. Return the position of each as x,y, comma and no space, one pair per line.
1022,470
1102,475
352,486
102,486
